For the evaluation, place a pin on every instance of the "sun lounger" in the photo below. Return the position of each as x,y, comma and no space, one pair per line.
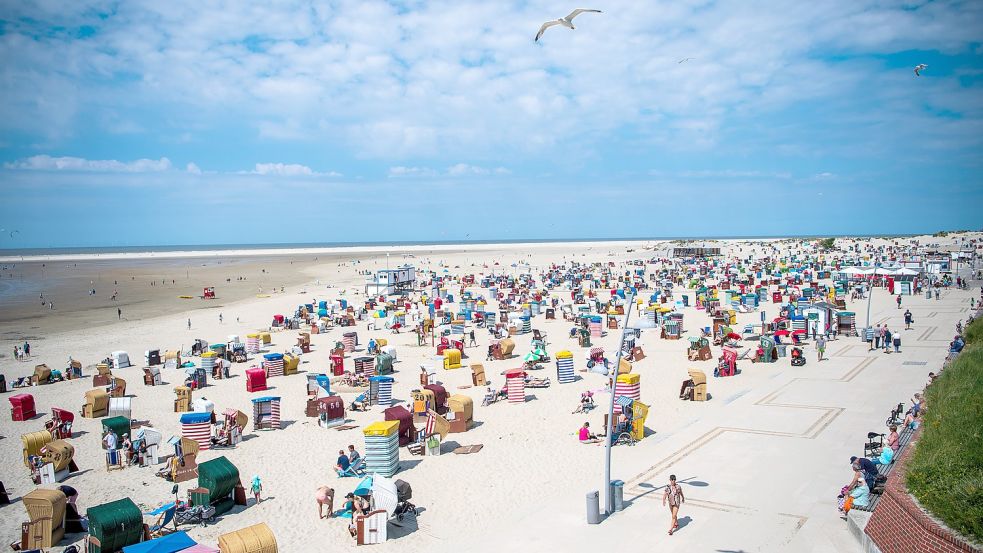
356,469
538,383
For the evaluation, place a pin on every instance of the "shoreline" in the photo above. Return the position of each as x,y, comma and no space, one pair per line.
244,250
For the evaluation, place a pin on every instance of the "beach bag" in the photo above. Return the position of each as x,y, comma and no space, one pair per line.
848,504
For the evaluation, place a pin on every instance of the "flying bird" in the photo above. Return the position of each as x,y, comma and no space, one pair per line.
565,21
919,68
685,60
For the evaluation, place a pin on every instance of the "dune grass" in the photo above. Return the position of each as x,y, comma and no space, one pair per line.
945,471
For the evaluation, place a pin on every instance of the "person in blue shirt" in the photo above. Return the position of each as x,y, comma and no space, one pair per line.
343,462
863,467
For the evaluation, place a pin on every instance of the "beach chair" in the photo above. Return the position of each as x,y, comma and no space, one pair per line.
491,396
356,469
159,527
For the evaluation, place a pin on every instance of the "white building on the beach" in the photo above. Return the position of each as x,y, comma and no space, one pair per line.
387,282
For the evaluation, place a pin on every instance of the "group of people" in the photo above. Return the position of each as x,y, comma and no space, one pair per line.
880,337
22,352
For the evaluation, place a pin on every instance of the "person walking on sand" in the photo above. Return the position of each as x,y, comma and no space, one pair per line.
674,495
189,324
899,301
119,313
219,318
907,319
257,489
821,347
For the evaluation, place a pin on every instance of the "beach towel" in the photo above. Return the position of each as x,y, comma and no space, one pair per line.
466,449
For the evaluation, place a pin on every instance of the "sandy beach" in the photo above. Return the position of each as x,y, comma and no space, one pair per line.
526,487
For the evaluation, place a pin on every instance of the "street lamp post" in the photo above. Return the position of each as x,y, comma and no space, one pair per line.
612,375
870,294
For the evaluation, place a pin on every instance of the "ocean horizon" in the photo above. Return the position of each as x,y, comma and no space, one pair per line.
165,248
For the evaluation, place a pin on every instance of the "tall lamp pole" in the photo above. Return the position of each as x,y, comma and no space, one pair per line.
612,376
870,294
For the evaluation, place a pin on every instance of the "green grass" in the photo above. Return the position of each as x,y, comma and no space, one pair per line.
945,471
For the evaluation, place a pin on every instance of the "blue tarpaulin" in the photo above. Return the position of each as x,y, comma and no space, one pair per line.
171,543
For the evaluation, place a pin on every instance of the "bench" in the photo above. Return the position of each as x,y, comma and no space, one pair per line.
904,438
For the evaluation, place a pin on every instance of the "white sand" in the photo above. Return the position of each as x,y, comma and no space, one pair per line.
526,487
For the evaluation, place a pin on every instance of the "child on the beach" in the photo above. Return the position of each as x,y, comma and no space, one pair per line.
257,489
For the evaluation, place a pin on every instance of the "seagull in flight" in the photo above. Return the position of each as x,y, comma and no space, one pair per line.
919,68
685,60
565,21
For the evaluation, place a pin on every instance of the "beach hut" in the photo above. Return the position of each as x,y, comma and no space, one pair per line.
221,478
337,364
846,323
699,349
21,407
515,382
330,411
46,510
291,363
439,398
33,443
96,404
119,426
151,376
252,343
382,447
407,432
564,367
365,365
768,351
60,424
120,407
452,359
349,339
102,376
121,360
627,385
273,364
699,379
728,363
252,539
461,408
42,375
478,375
507,346
203,405
255,380
151,440
381,390
114,525
266,413
198,428
594,325
208,359
383,363
182,402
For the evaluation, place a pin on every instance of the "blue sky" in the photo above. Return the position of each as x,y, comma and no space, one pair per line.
131,123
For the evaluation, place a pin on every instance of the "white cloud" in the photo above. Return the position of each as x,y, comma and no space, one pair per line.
49,163
723,174
193,169
456,170
400,171
290,170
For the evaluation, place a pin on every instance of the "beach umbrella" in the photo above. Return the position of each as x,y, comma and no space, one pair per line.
733,336
384,494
